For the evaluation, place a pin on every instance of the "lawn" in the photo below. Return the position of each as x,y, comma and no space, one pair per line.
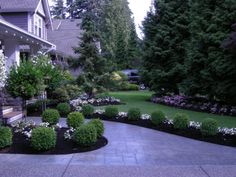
139,99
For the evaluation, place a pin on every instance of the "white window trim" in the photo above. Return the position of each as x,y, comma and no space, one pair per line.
36,24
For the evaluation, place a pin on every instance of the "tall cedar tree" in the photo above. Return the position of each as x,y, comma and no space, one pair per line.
166,33
211,69
92,64
59,10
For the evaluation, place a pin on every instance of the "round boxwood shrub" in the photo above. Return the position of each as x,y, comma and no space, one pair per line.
43,139
5,137
63,108
87,110
51,116
181,121
158,117
85,135
209,127
75,119
134,114
98,124
111,111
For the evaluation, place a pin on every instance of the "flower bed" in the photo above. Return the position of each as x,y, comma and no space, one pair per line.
83,100
224,136
197,104
22,134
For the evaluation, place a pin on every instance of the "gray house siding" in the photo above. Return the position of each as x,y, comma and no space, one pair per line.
19,19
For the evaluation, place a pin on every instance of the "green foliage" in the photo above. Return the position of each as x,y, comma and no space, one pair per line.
5,137
126,86
58,9
73,90
102,95
87,110
85,135
111,111
24,81
60,95
64,109
51,116
166,35
209,127
181,121
75,119
134,114
43,139
158,117
98,124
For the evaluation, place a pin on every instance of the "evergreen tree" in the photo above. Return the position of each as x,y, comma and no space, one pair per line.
166,34
211,69
92,64
59,10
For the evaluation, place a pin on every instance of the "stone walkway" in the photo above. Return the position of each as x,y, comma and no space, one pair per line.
132,151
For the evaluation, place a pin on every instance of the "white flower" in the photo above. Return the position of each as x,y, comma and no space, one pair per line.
99,111
145,116
44,124
196,125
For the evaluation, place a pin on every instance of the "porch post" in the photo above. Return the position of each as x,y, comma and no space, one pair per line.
12,52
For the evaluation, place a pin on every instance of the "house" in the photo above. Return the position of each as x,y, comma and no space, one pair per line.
23,30
66,35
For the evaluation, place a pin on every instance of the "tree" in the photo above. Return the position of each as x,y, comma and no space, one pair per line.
211,69
24,81
166,34
93,65
59,10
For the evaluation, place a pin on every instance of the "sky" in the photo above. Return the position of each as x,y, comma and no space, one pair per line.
139,9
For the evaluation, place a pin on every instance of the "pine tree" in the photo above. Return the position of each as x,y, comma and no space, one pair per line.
59,10
211,69
93,65
166,34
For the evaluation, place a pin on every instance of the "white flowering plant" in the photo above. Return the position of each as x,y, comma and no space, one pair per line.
2,69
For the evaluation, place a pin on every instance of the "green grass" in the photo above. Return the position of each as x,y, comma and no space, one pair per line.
139,99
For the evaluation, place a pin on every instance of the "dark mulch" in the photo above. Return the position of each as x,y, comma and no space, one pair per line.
22,146
227,140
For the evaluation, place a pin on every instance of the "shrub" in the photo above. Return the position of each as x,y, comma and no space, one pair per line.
5,137
209,127
85,135
181,121
98,124
75,119
102,95
134,114
87,110
111,111
51,116
73,91
126,86
43,139
133,87
158,117
63,108
60,95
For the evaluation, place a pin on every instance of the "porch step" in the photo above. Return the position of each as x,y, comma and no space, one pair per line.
12,116
7,110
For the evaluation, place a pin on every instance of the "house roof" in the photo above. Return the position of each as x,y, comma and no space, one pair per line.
65,35
18,5
8,29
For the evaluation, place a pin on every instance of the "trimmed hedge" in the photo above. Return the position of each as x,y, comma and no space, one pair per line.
85,135
51,116
5,137
111,111
134,114
87,110
43,139
181,121
98,124
75,119
64,109
158,117
209,127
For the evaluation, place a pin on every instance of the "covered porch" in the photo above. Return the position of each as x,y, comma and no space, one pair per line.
14,42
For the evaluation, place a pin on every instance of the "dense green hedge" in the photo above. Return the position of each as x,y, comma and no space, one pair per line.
5,137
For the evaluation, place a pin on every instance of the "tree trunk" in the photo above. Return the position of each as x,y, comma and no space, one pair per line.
24,109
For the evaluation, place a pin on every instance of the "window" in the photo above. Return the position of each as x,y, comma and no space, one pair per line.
38,26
